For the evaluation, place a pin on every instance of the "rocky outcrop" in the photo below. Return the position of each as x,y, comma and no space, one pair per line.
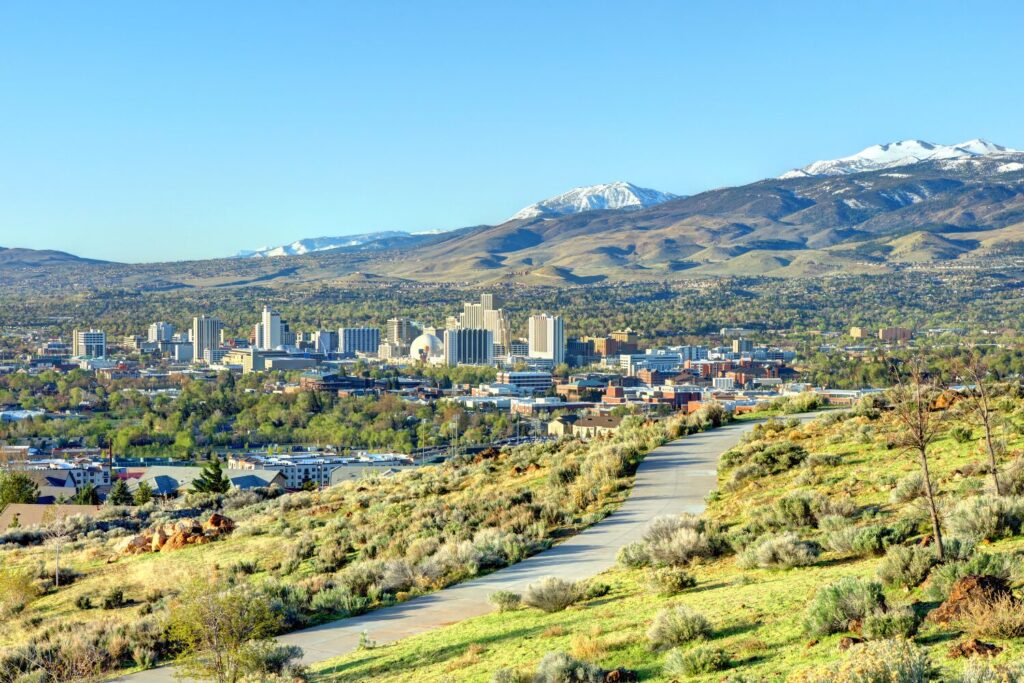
176,535
972,647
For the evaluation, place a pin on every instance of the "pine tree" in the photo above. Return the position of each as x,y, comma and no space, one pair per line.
86,496
119,494
212,479
144,493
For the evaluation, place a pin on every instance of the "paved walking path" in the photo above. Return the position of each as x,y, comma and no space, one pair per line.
672,479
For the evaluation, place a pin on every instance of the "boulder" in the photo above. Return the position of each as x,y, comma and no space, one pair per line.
218,524
972,647
966,591
846,642
135,544
159,538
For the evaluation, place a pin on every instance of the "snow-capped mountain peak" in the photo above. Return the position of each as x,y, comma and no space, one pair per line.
902,153
617,195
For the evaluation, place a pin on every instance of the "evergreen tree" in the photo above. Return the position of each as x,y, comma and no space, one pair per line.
212,479
16,487
86,496
144,493
119,494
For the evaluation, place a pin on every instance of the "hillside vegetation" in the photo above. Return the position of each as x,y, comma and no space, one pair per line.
310,556
816,538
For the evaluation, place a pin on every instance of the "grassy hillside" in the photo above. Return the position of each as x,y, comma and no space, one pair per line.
833,499
314,556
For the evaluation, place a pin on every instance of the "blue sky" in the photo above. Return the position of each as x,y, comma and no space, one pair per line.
142,131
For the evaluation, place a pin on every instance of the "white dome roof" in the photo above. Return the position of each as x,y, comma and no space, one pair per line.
425,347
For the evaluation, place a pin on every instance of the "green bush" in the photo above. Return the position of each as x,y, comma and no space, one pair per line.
901,622
987,672
676,626
113,599
506,601
633,556
697,660
908,488
988,517
905,566
783,551
961,434
880,661
552,594
668,581
835,605
558,667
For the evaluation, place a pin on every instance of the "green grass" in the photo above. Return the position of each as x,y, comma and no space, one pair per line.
756,614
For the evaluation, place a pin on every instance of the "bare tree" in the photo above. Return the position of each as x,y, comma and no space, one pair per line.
912,396
978,405
58,531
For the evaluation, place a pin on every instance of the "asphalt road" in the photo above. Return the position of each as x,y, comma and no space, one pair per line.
672,479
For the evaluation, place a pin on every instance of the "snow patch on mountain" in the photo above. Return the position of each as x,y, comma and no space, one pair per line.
617,195
314,244
902,153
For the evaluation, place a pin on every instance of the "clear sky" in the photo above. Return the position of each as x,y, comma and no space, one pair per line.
141,131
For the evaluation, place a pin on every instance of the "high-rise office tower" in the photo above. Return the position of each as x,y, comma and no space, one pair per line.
89,343
352,340
161,332
402,331
547,337
468,347
268,332
206,334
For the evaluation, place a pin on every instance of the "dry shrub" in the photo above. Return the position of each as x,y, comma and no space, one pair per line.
999,618
588,647
553,631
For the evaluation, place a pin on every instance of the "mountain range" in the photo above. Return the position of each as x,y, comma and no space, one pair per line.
903,204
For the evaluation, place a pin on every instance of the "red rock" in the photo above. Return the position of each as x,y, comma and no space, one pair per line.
846,642
974,648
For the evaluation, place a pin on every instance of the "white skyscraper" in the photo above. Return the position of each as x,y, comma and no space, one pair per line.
89,343
161,332
547,337
268,330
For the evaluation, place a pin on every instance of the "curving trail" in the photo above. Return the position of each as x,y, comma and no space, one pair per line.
672,479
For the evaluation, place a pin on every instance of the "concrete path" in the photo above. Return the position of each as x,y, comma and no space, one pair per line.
672,479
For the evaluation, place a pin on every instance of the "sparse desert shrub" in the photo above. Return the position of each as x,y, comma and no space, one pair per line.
900,622
633,556
677,625
873,540
83,602
596,589
988,517
961,434
782,551
559,667
668,581
905,566
552,594
879,661
113,599
678,540
794,511
16,590
505,601
339,600
835,605
999,618
697,660
510,676
908,488
987,672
